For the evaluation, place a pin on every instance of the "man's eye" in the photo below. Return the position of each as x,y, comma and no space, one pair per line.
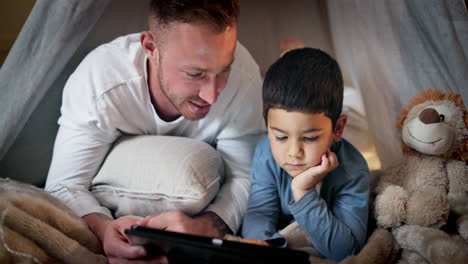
281,138
310,139
195,75
227,70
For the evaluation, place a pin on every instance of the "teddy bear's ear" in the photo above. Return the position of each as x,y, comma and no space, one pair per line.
401,120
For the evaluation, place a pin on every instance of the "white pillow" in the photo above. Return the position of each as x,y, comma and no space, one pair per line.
145,175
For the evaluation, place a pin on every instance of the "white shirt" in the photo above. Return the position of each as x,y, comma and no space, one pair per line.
108,96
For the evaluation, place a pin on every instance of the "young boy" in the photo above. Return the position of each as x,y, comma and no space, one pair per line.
303,170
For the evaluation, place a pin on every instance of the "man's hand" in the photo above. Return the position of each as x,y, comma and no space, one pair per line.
114,241
310,177
207,224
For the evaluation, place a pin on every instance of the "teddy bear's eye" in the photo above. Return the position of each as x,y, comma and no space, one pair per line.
442,118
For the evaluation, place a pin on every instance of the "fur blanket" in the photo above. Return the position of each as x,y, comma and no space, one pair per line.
381,248
37,228
408,244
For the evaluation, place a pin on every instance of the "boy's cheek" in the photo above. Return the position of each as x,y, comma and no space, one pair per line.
297,172
317,161
277,153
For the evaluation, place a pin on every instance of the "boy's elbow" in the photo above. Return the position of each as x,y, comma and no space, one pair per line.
344,251
354,249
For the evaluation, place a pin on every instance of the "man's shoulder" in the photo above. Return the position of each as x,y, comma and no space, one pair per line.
109,66
241,100
244,64
245,80
114,62
121,44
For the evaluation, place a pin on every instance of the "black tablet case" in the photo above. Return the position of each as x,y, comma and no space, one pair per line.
185,248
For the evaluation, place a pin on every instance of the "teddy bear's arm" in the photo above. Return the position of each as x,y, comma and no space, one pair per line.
458,194
458,186
458,176
393,175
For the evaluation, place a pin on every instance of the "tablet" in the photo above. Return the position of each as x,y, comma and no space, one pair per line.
186,248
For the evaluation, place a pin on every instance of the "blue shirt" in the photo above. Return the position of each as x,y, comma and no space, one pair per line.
335,219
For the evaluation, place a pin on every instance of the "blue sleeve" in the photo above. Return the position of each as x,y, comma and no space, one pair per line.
261,218
339,231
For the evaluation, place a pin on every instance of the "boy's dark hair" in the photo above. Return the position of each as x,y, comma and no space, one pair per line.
217,13
306,80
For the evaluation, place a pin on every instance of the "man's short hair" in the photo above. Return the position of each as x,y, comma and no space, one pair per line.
306,80
219,14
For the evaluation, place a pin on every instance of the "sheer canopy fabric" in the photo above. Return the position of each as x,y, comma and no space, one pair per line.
51,35
391,50
388,51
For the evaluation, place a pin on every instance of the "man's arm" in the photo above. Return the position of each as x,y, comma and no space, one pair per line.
76,159
83,140
216,223
97,223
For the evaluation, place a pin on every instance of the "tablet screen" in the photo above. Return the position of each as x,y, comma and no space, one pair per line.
186,248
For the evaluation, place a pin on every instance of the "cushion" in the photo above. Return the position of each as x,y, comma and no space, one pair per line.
145,175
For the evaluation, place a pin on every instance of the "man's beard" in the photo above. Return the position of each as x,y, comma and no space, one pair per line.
181,104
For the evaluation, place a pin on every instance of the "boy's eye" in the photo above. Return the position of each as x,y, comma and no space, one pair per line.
281,138
310,139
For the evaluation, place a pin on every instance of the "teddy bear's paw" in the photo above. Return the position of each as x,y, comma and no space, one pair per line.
462,226
427,208
390,207
411,257
458,202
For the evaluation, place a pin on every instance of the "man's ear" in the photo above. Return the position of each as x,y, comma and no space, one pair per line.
339,127
149,45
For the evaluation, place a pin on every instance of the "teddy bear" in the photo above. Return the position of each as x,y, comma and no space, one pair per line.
416,195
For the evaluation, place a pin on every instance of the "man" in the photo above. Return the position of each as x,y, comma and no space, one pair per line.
178,78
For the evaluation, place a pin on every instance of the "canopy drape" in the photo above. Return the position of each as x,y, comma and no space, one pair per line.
391,50
388,52
52,33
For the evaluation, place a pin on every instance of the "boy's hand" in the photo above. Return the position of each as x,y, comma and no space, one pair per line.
313,175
